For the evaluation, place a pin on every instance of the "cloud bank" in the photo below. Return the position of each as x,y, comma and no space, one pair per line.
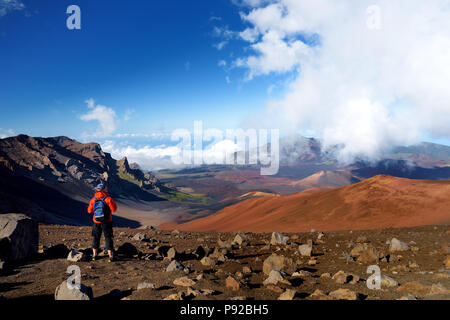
369,74
162,156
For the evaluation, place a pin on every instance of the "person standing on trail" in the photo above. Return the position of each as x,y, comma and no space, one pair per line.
101,207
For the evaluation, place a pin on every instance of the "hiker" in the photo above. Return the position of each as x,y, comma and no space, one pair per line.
102,206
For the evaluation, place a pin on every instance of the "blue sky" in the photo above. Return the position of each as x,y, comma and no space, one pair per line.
155,62
337,71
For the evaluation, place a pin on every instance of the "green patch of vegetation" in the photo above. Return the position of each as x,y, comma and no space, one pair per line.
163,176
174,195
128,177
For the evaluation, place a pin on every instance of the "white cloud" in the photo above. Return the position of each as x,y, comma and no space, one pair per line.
365,88
149,158
222,63
160,157
219,46
225,34
104,115
5,133
10,5
216,153
128,114
249,34
275,54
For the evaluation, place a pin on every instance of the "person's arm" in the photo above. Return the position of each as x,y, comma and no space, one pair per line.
112,205
91,206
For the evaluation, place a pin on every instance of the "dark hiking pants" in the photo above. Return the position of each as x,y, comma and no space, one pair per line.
107,229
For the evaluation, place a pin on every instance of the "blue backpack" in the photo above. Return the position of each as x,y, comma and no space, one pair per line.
101,209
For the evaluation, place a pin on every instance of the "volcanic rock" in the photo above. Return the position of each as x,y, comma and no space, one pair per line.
75,256
274,278
438,288
341,277
343,294
319,295
184,282
305,250
232,283
146,285
414,287
388,282
397,245
57,251
207,261
287,295
279,239
447,262
274,262
127,250
63,292
174,265
19,237
241,239
140,237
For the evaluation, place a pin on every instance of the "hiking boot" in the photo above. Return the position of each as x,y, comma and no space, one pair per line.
94,258
111,259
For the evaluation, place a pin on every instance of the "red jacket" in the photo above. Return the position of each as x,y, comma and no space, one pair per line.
109,201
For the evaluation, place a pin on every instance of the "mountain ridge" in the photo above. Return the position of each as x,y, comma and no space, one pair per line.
63,172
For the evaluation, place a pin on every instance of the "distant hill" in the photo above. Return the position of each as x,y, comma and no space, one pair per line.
381,201
327,178
432,150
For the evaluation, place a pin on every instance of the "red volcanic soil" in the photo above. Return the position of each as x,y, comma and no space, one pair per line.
381,201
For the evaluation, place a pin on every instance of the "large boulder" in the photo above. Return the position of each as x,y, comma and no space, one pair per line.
19,237
63,292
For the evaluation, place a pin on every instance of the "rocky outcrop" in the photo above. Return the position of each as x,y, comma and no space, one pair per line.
64,160
19,237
